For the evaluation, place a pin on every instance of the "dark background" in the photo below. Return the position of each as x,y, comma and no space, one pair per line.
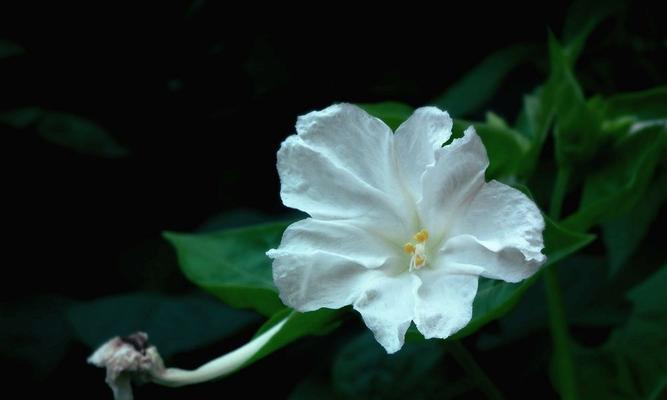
202,99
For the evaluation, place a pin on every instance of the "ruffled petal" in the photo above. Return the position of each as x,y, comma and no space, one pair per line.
444,300
451,183
387,306
506,263
326,263
417,141
341,166
505,233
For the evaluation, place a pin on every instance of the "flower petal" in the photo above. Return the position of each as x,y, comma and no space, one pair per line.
341,166
323,263
444,300
508,263
452,182
387,307
506,233
417,141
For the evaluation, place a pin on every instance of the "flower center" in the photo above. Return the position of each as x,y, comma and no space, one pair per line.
417,249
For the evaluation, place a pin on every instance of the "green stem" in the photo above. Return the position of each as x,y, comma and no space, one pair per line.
470,366
557,320
558,195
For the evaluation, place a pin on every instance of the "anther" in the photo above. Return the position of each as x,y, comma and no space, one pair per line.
421,236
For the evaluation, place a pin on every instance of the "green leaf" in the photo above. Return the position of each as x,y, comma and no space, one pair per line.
392,113
505,147
78,134
582,18
479,85
632,364
577,128
298,325
623,235
232,264
622,180
174,323
9,49
649,104
363,370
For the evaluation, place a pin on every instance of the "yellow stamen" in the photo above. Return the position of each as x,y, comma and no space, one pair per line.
421,236
419,261
409,248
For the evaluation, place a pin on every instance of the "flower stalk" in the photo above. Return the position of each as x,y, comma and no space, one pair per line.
557,321
131,358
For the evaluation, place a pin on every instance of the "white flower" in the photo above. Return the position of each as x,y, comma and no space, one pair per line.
401,227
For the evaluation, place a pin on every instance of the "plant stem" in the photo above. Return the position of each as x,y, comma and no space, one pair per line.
557,321
219,367
470,366
559,192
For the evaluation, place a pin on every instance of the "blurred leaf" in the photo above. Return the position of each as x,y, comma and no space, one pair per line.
298,325
392,113
78,134
67,130
621,182
622,235
9,49
479,85
633,362
232,264
505,147
363,370
577,128
235,218
582,18
174,323
314,388
21,118
583,280
35,335
495,298
649,104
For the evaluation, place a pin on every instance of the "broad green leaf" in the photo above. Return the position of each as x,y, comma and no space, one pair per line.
495,298
363,370
9,49
232,264
622,235
480,84
298,325
392,113
621,182
174,323
78,134
632,364
505,147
